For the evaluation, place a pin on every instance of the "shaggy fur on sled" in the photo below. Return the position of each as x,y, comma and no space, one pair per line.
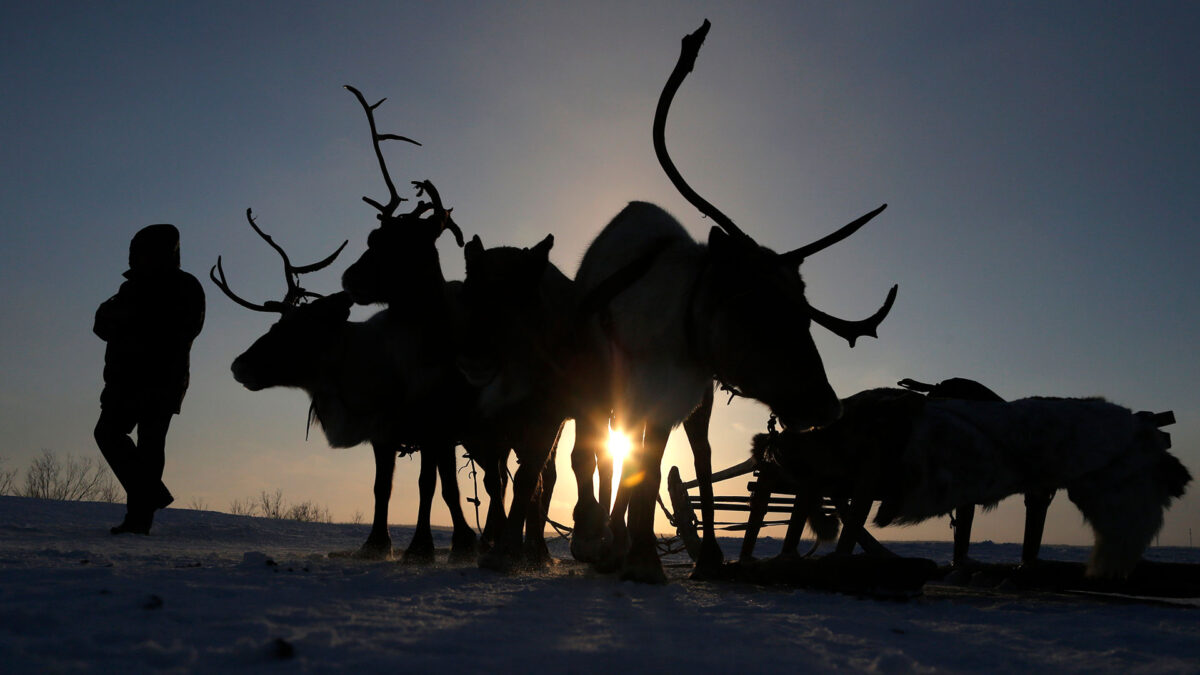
921,458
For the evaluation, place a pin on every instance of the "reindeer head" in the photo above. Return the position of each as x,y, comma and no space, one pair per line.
518,311
304,336
400,252
759,340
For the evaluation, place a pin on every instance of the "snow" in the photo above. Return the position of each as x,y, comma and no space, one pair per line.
208,591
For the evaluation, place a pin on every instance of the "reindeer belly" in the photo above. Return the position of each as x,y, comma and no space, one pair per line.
644,324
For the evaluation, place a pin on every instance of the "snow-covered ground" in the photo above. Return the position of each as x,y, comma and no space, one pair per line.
213,592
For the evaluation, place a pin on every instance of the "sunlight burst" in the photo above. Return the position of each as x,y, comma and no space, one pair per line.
619,447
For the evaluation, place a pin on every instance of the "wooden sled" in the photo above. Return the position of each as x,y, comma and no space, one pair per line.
1148,579
769,493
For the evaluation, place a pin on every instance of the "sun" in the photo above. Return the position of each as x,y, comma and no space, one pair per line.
619,446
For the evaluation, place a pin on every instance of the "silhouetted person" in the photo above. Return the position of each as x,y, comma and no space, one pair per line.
149,326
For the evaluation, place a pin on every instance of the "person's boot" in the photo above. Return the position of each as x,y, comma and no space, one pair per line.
136,521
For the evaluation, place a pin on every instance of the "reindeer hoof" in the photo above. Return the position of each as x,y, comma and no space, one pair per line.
418,556
374,551
591,537
464,548
643,566
644,573
497,561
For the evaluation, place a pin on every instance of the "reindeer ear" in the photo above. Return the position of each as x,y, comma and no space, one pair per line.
719,241
542,249
473,249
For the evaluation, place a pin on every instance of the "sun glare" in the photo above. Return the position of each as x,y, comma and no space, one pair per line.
618,448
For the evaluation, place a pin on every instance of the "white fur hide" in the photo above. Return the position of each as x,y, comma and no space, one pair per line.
648,346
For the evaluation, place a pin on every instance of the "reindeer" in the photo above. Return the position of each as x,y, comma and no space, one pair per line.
528,357
358,395
686,314
426,321
922,458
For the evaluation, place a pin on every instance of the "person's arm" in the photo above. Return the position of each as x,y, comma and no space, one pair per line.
113,315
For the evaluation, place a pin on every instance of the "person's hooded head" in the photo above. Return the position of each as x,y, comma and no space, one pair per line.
154,248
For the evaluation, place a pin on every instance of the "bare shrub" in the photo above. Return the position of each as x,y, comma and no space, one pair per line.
309,512
75,479
243,508
198,504
8,480
271,505
358,517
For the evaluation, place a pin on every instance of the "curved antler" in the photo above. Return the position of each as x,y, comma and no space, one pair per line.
852,330
687,61
425,187
291,273
270,306
385,210
797,256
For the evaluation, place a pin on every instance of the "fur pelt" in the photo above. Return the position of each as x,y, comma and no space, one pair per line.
922,458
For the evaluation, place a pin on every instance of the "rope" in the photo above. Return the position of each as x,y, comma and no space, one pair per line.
475,484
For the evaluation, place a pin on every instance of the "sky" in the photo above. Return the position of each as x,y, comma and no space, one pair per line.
1040,163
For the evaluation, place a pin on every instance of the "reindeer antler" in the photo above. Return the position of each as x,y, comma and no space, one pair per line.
852,330
385,210
687,61
425,187
295,295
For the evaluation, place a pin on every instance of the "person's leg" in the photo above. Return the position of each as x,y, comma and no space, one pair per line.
151,453
112,437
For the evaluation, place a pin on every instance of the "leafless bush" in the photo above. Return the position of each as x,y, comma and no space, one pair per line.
309,512
243,508
75,479
198,504
273,505
358,517
8,480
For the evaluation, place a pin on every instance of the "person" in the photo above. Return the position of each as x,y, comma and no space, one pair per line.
149,326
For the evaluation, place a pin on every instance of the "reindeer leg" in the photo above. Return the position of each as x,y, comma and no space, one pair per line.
464,545
420,551
590,538
642,563
964,517
613,555
532,452
536,552
379,543
495,483
696,427
1037,503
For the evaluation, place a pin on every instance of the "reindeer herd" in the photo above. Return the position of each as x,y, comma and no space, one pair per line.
498,362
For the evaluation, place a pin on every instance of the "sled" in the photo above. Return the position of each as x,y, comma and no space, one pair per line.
1149,579
769,493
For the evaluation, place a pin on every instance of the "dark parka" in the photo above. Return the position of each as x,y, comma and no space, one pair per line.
149,326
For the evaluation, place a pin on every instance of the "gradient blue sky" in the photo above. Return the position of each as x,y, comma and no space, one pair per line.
1041,162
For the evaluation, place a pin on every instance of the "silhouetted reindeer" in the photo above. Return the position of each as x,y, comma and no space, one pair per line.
426,321
359,394
528,357
922,458
688,313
